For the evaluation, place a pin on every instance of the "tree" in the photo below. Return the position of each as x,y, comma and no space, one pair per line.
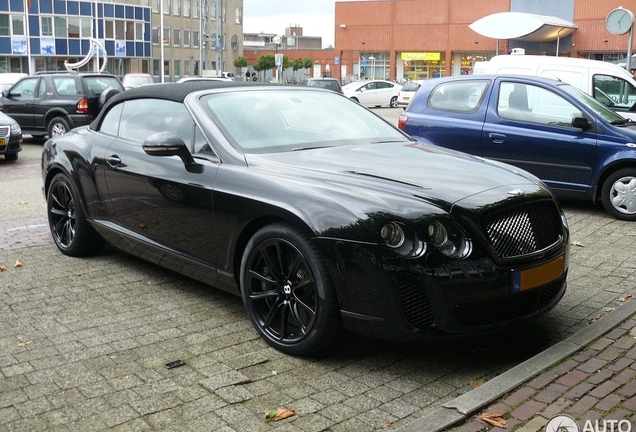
240,62
297,64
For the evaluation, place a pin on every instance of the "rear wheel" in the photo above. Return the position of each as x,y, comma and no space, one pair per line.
393,102
619,194
287,291
355,99
71,232
58,126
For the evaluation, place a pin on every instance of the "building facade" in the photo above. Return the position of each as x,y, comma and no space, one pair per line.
170,40
420,39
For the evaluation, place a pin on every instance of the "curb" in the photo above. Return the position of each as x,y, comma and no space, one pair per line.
462,407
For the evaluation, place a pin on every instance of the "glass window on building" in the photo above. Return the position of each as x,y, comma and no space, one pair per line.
144,66
17,22
195,9
166,35
155,35
120,29
177,68
177,37
85,24
139,31
374,66
186,38
46,26
60,27
73,27
166,68
109,29
238,15
166,7
186,8
422,65
186,68
155,68
130,30
195,39
155,6
177,7
5,29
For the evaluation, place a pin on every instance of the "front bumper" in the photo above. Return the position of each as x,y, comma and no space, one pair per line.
11,143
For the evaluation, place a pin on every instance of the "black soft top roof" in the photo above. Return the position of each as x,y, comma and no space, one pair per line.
176,92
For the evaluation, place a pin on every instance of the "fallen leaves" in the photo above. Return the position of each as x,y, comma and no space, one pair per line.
594,319
23,202
278,414
477,383
624,299
577,243
17,264
2,268
23,344
495,420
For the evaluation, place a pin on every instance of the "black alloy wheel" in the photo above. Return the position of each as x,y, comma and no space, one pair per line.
71,232
287,291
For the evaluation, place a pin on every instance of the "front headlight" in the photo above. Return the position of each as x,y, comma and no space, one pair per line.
403,239
15,128
449,239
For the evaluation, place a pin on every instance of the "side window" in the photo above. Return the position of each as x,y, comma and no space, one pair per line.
614,92
458,96
25,88
41,88
110,123
201,145
144,117
532,104
64,86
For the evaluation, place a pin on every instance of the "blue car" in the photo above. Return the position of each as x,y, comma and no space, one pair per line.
577,146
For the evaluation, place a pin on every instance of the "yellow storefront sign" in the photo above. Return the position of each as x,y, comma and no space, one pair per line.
412,56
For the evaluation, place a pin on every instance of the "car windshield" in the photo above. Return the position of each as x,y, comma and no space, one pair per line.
410,87
136,81
273,121
605,113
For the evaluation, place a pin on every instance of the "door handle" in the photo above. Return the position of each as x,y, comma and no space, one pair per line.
113,161
497,138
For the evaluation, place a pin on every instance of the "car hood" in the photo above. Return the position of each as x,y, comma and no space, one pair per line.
423,170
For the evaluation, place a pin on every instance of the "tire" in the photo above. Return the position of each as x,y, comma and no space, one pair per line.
11,156
355,99
70,230
393,102
58,126
287,291
619,194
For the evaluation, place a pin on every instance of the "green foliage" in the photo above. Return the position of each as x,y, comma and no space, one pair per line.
297,64
264,62
308,62
240,62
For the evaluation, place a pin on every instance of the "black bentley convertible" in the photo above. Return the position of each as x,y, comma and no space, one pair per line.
320,214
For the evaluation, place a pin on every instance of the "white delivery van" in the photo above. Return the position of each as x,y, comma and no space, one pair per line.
610,84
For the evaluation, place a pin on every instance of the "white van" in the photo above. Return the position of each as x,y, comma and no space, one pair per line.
610,84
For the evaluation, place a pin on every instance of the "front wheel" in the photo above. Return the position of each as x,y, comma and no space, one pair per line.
287,291
11,156
619,194
58,126
393,102
71,232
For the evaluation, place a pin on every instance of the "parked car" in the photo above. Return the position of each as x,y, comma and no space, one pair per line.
132,80
53,103
320,214
407,91
575,144
373,93
326,83
205,78
10,137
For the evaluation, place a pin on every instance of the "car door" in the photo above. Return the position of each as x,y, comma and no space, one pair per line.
20,100
368,94
156,199
384,93
530,126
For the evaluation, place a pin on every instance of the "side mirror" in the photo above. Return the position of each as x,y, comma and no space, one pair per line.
581,123
5,93
362,89
169,144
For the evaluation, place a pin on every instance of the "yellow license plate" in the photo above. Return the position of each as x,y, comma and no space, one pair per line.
2,142
536,276
406,97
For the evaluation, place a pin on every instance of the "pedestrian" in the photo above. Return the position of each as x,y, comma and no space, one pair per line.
248,75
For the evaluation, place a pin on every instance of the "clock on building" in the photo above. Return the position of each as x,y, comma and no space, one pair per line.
619,21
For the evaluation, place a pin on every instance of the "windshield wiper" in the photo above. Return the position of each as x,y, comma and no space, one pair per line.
311,148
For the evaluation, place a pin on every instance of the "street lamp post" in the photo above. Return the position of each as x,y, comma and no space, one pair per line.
278,61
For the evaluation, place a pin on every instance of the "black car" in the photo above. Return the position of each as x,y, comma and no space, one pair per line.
319,213
55,103
10,137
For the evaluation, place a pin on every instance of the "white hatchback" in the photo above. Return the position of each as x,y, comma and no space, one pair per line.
373,93
407,92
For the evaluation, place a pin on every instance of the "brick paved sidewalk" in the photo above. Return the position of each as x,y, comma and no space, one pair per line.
598,383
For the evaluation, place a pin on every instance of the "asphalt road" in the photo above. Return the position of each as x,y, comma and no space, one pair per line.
83,342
